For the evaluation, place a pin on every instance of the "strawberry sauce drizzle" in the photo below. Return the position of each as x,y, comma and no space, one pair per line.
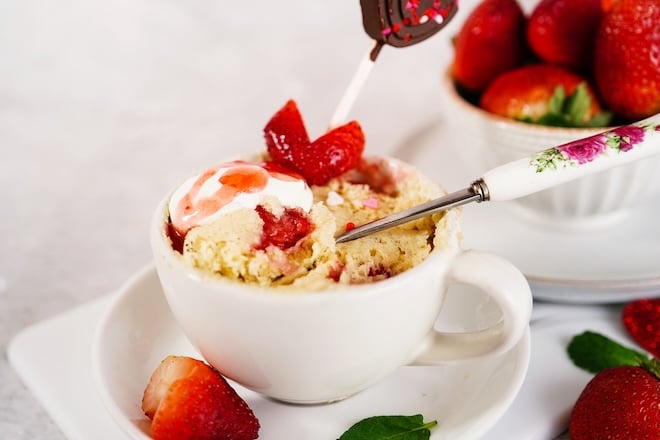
241,177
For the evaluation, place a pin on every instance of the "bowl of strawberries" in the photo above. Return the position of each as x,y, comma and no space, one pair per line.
527,75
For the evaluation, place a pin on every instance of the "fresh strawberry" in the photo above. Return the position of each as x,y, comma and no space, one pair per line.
491,41
627,58
618,403
641,318
188,399
606,5
334,153
563,31
622,401
285,132
544,94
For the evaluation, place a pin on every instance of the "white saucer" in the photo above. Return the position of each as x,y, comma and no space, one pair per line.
617,263
467,399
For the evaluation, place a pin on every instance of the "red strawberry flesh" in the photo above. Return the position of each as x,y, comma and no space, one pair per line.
525,92
642,320
627,58
283,231
188,399
334,153
618,403
491,41
563,31
285,132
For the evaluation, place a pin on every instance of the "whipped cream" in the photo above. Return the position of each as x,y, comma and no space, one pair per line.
234,185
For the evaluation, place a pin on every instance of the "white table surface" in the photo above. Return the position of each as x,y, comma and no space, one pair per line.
104,106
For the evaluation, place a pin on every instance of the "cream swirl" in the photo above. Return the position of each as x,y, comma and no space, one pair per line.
234,185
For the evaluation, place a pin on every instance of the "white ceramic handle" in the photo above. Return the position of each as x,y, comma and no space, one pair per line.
575,159
507,287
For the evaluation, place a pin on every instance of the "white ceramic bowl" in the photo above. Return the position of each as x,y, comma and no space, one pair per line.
593,201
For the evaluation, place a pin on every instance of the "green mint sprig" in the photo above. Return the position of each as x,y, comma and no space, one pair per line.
594,352
390,428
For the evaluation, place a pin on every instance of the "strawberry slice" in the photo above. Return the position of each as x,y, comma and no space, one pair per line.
188,399
332,154
285,132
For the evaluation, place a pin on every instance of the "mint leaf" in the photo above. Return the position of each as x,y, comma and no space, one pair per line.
594,352
390,428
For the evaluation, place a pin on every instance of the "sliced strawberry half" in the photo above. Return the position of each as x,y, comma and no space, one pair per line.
332,154
285,132
188,399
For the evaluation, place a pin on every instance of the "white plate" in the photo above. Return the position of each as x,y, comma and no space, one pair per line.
60,374
466,398
618,263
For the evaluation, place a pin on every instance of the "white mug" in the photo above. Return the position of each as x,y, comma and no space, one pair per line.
323,346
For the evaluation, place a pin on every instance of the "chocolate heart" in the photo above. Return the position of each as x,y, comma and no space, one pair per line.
642,320
401,23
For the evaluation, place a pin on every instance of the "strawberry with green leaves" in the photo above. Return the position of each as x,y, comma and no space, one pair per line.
544,94
627,58
563,31
491,41
188,399
622,401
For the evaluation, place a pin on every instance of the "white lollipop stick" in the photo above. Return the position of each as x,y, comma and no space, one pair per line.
353,89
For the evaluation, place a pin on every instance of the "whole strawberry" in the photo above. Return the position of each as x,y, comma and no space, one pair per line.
491,41
188,399
622,401
627,58
563,31
618,403
544,94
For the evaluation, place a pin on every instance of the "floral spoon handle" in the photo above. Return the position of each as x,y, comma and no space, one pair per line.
575,159
540,171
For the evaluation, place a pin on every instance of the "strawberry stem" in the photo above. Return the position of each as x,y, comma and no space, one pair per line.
652,365
572,110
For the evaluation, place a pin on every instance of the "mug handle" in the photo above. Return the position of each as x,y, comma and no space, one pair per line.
504,284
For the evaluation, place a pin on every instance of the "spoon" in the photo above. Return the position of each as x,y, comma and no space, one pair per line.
537,172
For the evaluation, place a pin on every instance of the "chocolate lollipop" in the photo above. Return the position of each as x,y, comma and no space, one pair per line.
397,23
401,23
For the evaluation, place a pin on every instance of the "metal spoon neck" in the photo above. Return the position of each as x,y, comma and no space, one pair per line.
476,192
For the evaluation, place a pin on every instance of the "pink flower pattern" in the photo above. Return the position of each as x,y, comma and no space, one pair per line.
628,136
582,151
